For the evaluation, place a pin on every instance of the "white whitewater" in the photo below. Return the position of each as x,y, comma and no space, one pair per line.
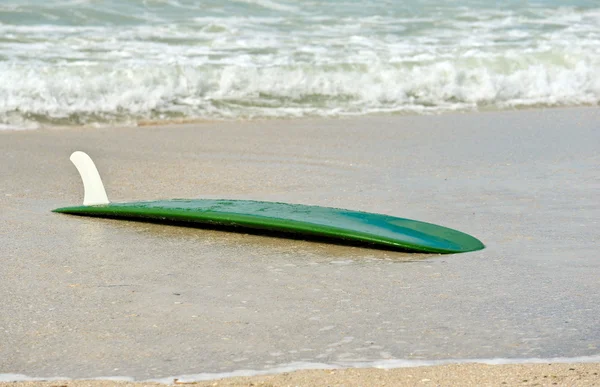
110,62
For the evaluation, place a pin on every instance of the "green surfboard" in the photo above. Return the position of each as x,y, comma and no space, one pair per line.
326,223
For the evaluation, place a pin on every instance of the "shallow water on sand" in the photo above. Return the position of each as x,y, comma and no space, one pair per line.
86,297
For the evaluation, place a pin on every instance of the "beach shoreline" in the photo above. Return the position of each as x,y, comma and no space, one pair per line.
469,374
200,122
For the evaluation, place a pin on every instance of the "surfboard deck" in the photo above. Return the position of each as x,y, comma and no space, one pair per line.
303,220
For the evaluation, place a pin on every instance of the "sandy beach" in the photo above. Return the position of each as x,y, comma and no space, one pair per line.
448,375
89,298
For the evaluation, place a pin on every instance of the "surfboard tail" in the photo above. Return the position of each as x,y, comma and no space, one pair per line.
94,192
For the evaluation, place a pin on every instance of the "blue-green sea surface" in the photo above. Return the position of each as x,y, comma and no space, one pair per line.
90,62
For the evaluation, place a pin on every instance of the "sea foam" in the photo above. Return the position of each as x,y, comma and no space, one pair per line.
89,63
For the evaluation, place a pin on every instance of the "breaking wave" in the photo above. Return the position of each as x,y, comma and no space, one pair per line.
267,59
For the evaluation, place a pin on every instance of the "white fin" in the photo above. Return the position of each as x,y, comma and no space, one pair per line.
93,188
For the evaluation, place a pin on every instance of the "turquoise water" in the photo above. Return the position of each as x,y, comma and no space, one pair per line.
89,62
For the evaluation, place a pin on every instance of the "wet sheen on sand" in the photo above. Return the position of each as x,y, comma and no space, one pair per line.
86,297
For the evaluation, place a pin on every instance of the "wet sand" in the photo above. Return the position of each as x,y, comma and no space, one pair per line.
447,375
85,298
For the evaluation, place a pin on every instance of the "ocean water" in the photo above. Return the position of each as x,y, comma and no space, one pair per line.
99,62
